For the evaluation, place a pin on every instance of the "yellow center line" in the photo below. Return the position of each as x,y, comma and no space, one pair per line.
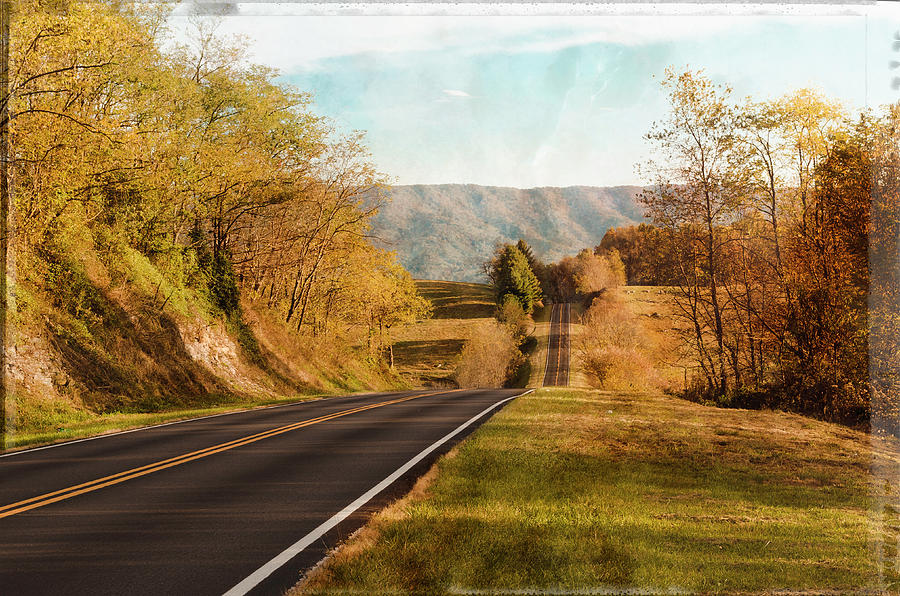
201,451
559,344
564,342
554,314
85,487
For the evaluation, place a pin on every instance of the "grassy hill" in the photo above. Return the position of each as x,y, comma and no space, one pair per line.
133,345
426,353
146,363
445,231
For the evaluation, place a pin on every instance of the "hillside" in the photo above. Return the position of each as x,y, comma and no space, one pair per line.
446,231
124,343
427,353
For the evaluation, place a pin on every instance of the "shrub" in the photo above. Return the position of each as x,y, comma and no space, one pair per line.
511,315
613,346
489,359
614,367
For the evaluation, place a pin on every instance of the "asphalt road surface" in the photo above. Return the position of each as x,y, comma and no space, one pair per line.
556,372
239,503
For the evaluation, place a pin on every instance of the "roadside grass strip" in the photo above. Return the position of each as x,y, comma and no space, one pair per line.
577,491
86,487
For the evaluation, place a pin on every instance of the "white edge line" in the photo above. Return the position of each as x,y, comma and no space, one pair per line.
140,428
255,578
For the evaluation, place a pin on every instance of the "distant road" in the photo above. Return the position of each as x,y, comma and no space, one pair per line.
235,503
556,373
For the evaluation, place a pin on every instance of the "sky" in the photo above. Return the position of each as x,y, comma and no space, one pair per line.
537,95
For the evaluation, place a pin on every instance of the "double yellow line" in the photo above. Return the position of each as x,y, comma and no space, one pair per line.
562,338
86,487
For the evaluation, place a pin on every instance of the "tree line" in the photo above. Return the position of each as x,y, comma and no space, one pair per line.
198,159
519,277
776,222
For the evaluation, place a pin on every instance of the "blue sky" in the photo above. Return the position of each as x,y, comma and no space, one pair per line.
553,100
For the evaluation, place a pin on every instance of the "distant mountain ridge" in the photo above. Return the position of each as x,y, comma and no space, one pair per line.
446,231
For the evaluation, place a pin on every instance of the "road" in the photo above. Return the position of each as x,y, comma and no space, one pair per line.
242,502
556,372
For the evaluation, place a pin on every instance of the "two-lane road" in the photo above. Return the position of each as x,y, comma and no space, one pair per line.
242,502
556,371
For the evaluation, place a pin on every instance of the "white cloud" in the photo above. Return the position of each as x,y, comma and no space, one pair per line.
293,42
456,93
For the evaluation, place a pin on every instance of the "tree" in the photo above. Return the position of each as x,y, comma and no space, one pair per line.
767,208
596,273
884,280
533,262
511,275
511,315
697,191
198,159
646,252
830,265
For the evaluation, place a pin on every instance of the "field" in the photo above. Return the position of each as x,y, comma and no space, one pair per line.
585,490
426,353
654,308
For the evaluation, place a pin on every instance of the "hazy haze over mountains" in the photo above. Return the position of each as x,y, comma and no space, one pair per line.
445,231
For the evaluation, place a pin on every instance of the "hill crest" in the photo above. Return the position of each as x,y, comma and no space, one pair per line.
446,231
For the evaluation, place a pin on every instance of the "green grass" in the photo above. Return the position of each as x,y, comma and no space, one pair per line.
571,490
60,421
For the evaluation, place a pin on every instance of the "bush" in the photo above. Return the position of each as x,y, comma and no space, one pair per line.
613,367
70,290
613,347
489,359
511,315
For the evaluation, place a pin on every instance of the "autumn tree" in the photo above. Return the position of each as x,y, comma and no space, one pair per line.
198,160
697,191
646,252
769,208
559,280
380,295
596,273
884,276
830,264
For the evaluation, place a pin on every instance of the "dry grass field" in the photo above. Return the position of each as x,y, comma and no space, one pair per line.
654,308
426,354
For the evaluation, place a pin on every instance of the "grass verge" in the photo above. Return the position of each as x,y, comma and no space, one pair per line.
577,490
78,424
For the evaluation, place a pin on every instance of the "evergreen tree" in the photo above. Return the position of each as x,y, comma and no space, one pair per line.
537,267
513,276
528,254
